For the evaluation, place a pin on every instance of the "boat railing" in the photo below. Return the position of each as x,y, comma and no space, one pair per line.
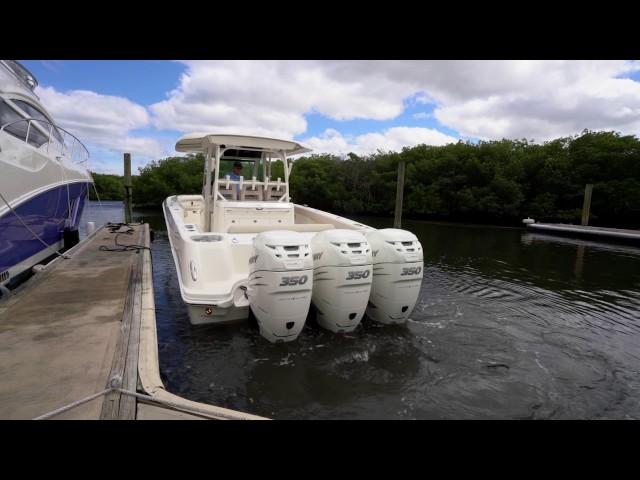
49,138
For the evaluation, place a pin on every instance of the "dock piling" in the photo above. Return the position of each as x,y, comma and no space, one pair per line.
128,189
586,206
397,218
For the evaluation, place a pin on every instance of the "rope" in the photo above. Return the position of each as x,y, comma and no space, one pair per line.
35,235
99,203
115,228
74,404
64,179
141,396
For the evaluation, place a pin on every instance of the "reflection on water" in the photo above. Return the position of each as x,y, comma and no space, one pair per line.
508,325
100,213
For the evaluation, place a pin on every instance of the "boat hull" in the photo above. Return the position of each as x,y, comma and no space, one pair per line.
46,214
208,314
225,274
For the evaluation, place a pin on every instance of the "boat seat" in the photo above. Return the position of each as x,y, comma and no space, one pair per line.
228,188
251,190
274,190
295,227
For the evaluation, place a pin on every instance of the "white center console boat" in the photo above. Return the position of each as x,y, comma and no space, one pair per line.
244,245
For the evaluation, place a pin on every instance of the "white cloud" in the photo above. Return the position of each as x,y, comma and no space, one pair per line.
272,97
555,99
515,99
103,120
392,139
481,99
484,99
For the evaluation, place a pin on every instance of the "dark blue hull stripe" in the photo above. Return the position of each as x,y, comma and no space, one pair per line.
47,215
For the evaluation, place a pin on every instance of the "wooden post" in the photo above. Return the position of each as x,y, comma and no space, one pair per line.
128,189
586,206
577,269
397,218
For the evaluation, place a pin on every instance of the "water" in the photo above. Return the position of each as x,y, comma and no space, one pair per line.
509,325
100,213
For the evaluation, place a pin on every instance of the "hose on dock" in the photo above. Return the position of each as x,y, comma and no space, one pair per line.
116,228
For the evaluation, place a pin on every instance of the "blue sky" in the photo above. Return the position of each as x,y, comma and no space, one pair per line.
145,106
144,82
148,82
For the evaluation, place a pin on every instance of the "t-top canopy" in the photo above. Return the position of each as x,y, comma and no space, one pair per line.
198,143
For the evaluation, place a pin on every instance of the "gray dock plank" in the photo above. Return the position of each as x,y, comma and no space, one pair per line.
67,332
152,412
125,362
58,338
130,379
585,230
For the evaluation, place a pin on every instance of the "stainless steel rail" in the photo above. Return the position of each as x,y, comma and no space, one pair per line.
70,145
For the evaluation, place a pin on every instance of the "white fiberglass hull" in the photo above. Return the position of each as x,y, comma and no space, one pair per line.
222,274
207,314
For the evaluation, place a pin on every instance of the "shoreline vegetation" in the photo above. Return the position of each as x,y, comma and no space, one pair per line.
496,182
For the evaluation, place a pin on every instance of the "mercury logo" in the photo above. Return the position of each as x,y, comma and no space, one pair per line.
253,259
374,252
317,256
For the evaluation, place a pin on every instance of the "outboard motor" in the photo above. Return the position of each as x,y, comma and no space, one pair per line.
341,278
280,284
397,274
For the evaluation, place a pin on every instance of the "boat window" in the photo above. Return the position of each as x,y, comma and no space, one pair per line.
19,129
34,112
21,73
248,168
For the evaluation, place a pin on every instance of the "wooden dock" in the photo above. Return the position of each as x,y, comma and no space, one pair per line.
79,340
596,233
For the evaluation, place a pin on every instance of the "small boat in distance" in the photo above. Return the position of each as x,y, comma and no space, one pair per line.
44,179
243,245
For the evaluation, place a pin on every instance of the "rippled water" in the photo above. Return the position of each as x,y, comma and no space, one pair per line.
508,325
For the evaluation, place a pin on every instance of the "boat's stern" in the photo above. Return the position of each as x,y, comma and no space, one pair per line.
212,268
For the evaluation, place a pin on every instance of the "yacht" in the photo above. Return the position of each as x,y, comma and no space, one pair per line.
243,246
44,177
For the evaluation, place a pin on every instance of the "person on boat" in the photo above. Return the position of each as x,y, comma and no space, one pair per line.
236,172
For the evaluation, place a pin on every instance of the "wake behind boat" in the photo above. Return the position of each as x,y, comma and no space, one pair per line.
44,180
244,245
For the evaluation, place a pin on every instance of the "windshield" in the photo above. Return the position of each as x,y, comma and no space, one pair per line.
242,163
244,168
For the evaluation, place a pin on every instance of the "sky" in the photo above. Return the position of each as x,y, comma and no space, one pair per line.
143,107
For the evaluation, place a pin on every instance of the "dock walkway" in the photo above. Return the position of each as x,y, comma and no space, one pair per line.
602,233
82,326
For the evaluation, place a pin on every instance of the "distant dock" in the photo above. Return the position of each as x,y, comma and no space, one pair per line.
597,233
79,340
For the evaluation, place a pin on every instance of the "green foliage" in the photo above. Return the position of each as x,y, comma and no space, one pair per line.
109,187
499,181
170,176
